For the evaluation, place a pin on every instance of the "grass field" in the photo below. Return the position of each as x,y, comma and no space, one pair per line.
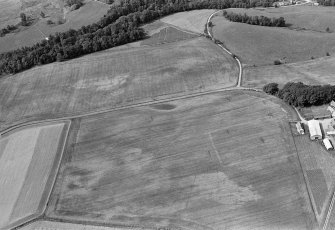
26,162
260,45
314,72
222,161
194,20
90,13
115,77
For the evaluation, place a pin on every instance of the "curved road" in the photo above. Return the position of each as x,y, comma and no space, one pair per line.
227,51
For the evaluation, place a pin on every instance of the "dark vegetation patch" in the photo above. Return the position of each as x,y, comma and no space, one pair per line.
299,94
164,106
119,26
254,20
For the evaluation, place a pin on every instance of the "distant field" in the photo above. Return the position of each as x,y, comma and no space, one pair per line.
27,158
9,12
194,20
260,45
90,13
315,72
222,161
297,18
115,77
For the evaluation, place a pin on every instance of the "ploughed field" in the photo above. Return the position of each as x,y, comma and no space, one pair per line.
260,45
29,160
221,161
116,77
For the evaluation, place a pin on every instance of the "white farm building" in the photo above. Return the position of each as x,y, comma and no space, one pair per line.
299,128
327,144
314,129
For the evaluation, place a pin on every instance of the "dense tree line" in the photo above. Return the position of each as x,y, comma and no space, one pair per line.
7,30
327,2
254,20
299,94
119,26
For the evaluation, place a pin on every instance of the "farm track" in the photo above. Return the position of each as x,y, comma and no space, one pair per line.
226,50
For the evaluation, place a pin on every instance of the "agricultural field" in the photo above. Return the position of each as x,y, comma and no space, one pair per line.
114,78
221,161
90,13
314,72
29,160
194,20
260,45
297,18
50,225
318,164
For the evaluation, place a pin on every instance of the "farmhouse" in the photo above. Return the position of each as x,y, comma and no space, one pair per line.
327,144
314,129
299,128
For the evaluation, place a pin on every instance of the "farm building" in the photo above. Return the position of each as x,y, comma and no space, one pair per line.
331,109
314,129
299,128
331,132
327,144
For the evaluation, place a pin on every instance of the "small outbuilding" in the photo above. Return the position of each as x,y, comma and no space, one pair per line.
327,144
331,109
314,129
332,103
331,132
300,129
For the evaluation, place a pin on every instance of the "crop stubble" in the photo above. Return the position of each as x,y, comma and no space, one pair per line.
113,78
211,162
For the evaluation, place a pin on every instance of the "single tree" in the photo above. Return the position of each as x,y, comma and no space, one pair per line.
271,88
23,19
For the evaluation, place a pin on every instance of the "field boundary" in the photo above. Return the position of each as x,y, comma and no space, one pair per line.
309,190
51,179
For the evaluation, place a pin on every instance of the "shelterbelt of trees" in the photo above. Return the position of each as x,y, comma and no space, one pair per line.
254,20
121,25
299,94
327,2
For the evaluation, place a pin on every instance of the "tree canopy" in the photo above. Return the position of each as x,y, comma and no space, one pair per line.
119,26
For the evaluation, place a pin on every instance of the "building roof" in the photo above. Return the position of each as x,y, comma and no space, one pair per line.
327,143
331,109
314,128
331,132
299,127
